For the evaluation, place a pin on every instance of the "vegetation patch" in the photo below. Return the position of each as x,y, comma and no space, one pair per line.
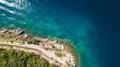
12,58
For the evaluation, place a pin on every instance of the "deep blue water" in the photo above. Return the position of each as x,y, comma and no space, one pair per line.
92,26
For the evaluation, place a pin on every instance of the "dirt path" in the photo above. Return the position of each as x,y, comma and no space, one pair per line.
49,56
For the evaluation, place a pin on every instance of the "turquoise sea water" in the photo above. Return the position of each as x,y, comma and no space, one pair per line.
42,18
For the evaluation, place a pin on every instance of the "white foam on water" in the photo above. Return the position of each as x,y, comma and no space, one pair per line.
18,4
10,11
9,4
3,14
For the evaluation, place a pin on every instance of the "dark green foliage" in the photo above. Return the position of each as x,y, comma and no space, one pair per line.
12,58
33,41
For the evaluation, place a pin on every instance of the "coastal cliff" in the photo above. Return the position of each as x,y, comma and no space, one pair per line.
53,50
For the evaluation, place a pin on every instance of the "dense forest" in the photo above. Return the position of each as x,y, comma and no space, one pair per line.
12,58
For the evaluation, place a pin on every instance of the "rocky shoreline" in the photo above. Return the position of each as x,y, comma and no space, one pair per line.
52,49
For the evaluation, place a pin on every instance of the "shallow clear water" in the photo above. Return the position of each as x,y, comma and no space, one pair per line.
42,18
